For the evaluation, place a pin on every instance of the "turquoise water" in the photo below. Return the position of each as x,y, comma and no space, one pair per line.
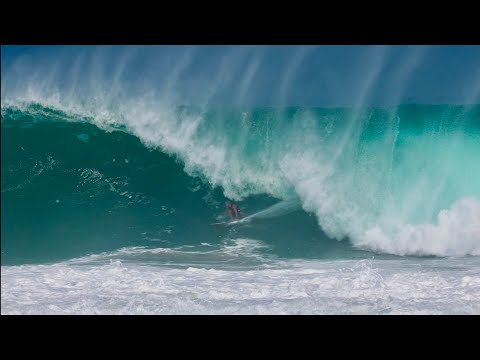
336,183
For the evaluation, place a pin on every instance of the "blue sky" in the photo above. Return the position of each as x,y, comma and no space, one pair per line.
261,75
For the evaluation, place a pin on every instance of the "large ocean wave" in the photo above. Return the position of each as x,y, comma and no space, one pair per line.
400,180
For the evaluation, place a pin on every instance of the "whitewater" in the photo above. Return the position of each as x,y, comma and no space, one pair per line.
123,283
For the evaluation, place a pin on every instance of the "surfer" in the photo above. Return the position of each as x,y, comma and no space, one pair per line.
233,209
229,210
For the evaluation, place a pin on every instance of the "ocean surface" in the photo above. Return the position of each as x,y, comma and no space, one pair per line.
108,209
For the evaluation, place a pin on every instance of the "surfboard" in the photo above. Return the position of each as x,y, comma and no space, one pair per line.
225,223
279,209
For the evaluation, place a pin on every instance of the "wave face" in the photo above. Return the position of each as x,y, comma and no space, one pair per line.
81,178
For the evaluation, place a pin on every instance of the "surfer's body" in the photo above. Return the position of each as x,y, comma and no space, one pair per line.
233,211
